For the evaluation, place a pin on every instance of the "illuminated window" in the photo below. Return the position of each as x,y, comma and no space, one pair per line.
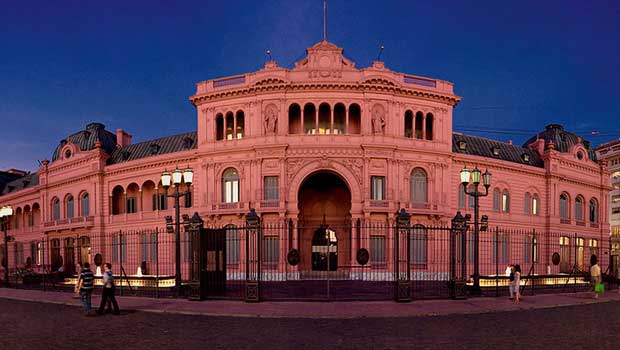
377,191
505,201
230,186
535,204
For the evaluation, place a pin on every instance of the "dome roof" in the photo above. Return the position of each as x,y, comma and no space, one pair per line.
563,140
86,140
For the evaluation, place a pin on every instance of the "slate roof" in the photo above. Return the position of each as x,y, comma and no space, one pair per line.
480,146
86,139
562,139
163,145
17,183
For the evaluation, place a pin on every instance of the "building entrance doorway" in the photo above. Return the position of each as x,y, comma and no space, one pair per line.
324,223
324,250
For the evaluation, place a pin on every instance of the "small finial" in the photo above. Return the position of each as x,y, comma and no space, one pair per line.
324,20
268,52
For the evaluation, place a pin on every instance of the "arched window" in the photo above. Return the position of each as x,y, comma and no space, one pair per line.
325,119
429,126
535,205
85,204
409,124
419,124
579,208
564,206
355,119
340,119
505,201
117,200
230,126
230,186
240,125
461,196
496,199
593,210
418,244
70,207
527,203
17,217
309,119
294,119
418,185
219,126
56,209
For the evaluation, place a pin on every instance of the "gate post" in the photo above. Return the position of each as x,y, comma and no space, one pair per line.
457,281
403,278
252,257
196,283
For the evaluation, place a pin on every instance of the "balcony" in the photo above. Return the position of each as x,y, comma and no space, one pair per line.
269,204
565,221
69,224
580,223
379,204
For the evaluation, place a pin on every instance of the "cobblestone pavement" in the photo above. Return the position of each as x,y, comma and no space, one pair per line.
30,325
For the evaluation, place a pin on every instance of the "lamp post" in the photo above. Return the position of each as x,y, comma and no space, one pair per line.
5,216
475,180
176,178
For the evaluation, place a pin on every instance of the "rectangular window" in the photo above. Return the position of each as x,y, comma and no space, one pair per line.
377,191
188,200
144,247
154,247
162,201
232,245
114,249
271,251
471,248
505,244
131,205
418,246
594,247
377,251
270,188
123,248
30,219
33,253
535,206
231,191
527,249
57,210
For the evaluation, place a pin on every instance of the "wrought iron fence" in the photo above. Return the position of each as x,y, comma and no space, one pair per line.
359,261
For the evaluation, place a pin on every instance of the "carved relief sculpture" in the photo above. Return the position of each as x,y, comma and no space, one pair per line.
378,120
271,120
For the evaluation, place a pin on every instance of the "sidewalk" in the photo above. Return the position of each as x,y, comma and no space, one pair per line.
339,310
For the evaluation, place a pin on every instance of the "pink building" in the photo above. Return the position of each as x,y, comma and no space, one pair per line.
324,143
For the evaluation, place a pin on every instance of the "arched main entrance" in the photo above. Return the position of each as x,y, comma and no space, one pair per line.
324,222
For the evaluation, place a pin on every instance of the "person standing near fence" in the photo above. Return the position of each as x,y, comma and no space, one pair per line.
517,283
108,290
85,285
595,275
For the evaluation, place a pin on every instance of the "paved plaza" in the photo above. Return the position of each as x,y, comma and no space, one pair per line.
569,321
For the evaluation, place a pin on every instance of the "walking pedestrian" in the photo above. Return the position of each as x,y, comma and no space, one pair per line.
108,290
517,283
85,285
595,274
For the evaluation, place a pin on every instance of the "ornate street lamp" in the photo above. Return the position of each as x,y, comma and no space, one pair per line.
177,177
474,176
5,217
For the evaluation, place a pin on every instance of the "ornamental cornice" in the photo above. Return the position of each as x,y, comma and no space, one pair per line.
73,180
151,165
322,151
498,164
452,100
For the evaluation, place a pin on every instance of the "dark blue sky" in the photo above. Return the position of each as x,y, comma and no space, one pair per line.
518,65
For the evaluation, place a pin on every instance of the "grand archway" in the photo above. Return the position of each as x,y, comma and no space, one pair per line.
324,201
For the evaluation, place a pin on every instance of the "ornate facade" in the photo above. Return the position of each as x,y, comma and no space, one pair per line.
321,143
